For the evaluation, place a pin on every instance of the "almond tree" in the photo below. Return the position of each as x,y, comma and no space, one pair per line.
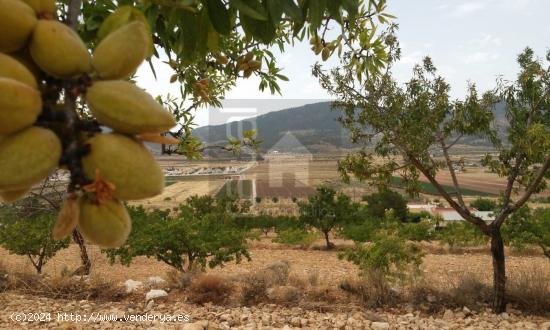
410,130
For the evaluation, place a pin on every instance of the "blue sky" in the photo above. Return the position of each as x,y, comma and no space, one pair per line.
468,41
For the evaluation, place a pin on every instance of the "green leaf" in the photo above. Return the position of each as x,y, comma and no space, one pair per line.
219,16
250,8
316,11
334,9
292,10
275,11
351,7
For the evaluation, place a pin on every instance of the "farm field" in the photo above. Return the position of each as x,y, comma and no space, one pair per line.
282,174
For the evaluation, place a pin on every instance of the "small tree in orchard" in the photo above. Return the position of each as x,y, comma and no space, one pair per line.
327,211
379,203
484,204
528,227
26,231
411,130
202,233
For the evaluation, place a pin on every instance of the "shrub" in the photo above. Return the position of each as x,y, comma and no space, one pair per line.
484,204
209,289
388,254
530,289
203,233
258,199
372,288
461,234
275,199
255,285
296,236
30,235
379,203
422,231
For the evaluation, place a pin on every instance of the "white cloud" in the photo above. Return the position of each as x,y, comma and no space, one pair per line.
486,40
468,8
480,57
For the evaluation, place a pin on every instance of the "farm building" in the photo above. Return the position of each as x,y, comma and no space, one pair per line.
449,214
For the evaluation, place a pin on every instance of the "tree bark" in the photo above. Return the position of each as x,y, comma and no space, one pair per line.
329,245
86,263
499,271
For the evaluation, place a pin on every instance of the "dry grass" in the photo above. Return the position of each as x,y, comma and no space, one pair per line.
209,289
373,289
530,290
255,285
66,287
179,280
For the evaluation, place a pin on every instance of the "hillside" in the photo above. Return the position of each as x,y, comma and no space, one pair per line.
311,128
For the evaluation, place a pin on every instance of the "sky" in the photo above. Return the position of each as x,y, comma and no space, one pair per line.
468,41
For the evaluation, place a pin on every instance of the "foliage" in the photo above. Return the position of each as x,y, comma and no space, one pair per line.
327,210
529,227
388,254
210,39
484,204
202,233
385,199
400,128
420,231
29,235
461,234
368,228
296,236
419,216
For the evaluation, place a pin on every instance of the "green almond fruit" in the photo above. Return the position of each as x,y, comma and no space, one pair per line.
17,21
27,157
12,68
107,224
20,105
119,55
125,163
122,16
43,7
58,50
126,108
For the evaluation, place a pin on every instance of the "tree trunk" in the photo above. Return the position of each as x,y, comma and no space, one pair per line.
86,264
499,272
329,245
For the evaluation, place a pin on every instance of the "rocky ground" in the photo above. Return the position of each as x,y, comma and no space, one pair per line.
34,310
267,316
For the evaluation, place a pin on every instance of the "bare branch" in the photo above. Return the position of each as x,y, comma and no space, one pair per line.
463,211
453,174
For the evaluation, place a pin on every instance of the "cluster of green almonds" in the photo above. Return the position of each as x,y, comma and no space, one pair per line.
318,47
34,45
248,64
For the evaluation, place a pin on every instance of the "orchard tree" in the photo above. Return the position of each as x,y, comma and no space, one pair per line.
25,230
484,204
411,129
202,233
326,211
67,95
528,227
380,202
